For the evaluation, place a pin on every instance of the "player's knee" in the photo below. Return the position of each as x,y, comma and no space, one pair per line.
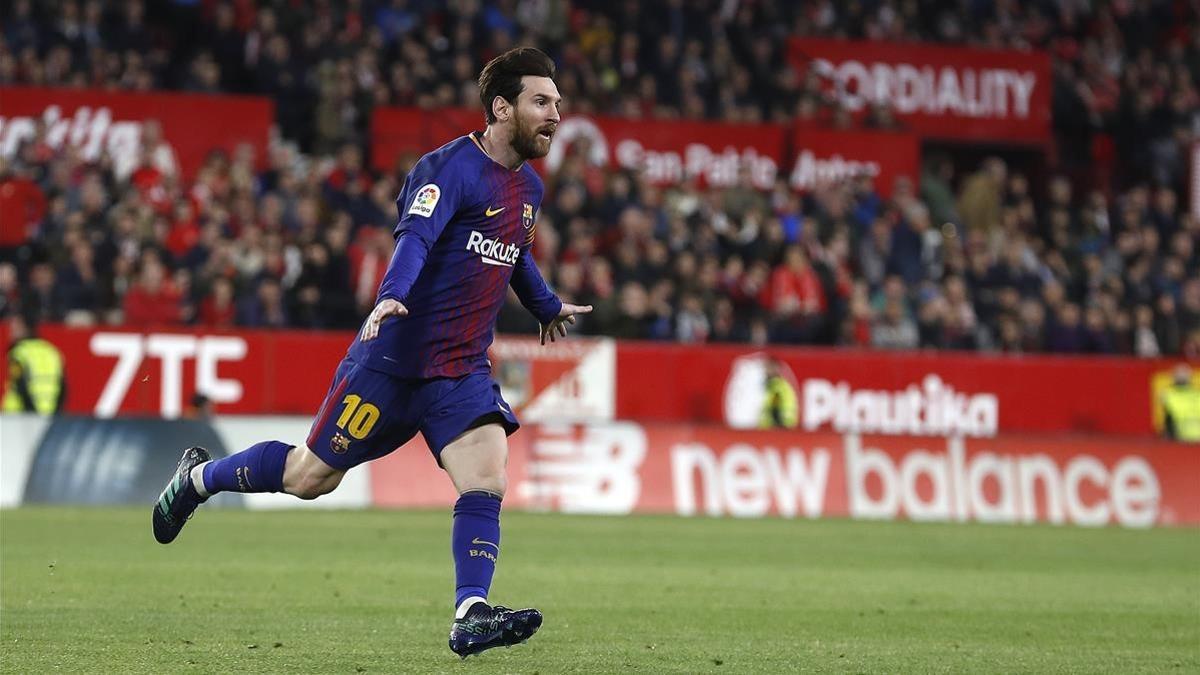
313,485
306,476
495,483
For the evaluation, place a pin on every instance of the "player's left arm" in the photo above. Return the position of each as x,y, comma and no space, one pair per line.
552,314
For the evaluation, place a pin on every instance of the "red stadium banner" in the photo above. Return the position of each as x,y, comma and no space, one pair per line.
918,393
624,467
124,372
821,157
117,372
939,92
95,121
669,152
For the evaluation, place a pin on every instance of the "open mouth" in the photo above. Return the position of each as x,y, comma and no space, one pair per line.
546,134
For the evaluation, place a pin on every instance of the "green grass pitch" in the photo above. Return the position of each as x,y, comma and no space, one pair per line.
352,592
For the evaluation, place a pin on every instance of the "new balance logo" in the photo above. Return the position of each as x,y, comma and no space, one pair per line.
493,251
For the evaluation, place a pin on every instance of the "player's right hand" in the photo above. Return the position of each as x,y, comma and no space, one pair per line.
386,309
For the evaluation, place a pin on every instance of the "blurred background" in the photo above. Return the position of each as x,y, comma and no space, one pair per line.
966,220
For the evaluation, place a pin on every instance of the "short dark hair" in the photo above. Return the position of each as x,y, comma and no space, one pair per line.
502,76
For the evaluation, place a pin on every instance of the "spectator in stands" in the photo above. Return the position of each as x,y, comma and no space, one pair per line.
77,290
264,309
218,309
153,300
980,201
22,207
795,298
894,330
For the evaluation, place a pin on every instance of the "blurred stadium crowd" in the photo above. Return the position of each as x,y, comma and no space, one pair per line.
1087,262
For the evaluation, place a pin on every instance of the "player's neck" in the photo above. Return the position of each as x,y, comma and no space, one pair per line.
500,149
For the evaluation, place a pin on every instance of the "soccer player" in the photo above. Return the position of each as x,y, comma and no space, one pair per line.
419,363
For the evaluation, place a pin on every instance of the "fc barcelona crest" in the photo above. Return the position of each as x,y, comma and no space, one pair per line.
527,216
339,444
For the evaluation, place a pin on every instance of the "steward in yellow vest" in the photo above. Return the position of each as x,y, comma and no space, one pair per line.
35,373
781,406
1181,405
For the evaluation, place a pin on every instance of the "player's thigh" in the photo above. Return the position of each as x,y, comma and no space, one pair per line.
366,415
451,407
477,458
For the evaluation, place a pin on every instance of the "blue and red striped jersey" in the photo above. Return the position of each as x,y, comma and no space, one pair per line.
465,234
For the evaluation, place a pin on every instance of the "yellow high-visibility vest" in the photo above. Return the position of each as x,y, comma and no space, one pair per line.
780,408
39,365
1182,404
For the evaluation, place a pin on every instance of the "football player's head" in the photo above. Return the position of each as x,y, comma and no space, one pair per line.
518,92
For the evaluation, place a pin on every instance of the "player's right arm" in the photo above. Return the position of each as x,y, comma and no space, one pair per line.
431,196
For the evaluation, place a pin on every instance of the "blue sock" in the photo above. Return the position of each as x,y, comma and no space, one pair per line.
475,542
258,468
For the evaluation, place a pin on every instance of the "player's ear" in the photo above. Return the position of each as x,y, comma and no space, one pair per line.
501,108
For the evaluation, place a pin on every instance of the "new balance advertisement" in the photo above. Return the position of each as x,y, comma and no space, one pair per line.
618,468
97,121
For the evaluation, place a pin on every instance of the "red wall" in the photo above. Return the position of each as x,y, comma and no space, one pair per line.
289,372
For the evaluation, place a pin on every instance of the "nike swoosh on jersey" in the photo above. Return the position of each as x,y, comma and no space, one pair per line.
491,212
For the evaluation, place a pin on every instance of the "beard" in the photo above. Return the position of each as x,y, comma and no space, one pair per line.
527,143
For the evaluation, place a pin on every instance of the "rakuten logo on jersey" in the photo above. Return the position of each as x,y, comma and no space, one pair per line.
493,251
934,409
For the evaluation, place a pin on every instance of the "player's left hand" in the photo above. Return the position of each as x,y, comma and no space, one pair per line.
386,309
565,316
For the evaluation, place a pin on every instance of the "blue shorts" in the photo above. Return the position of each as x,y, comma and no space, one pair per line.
368,414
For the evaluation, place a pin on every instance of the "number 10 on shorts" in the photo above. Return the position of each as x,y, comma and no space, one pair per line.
357,417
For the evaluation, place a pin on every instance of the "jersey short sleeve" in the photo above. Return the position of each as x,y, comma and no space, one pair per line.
432,194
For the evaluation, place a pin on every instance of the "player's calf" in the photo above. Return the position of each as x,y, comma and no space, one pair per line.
269,466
